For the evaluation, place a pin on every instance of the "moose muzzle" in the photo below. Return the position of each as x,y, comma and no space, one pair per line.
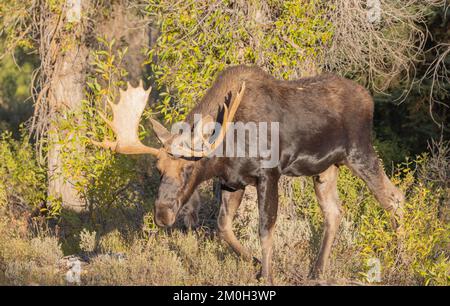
164,216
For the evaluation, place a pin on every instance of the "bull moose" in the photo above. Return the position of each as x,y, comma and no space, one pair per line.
325,122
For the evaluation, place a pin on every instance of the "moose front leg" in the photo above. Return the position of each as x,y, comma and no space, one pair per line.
190,210
267,189
229,205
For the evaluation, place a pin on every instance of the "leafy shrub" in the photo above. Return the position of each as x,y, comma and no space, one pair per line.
88,241
23,179
112,242
149,255
199,38
421,254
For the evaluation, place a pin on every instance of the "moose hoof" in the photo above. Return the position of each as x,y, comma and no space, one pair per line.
264,279
256,262
315,274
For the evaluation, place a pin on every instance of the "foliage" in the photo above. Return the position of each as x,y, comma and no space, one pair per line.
420,254
15,103
391,148
15,18
21,23
199,38
146,255
23,179
88,241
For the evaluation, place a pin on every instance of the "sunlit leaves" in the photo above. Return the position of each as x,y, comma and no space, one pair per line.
200,38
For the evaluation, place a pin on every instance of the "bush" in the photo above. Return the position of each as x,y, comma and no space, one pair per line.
23,179
421,255
114,186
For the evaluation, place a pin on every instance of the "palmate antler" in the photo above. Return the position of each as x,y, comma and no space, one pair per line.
125,123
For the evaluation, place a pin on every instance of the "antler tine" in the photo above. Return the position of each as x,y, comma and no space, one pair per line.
148,91
121,93
227,118
223,130
208,119
106,144
237,102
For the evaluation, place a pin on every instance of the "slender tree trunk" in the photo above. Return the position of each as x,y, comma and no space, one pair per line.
65,94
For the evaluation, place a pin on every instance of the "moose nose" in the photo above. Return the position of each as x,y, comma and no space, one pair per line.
164,217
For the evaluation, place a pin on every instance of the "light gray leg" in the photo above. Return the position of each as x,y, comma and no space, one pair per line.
325,186
228,207
267,189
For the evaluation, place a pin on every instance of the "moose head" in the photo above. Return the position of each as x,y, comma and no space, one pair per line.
176,164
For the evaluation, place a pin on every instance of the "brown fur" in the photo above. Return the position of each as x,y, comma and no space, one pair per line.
325,122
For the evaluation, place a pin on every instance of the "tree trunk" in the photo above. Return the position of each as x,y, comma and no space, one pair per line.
66,94
68,84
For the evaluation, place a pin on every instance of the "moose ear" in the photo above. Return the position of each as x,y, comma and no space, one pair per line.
161,132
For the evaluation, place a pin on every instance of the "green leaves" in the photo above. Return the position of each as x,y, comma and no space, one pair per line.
420,253
23,178
198,39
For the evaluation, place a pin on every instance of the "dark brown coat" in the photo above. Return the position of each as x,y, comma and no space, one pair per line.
325,122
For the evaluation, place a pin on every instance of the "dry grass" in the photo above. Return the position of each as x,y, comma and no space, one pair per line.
31,252
175,257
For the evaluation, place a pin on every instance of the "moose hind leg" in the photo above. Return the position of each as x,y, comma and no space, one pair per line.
229,205
325,186
368,167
